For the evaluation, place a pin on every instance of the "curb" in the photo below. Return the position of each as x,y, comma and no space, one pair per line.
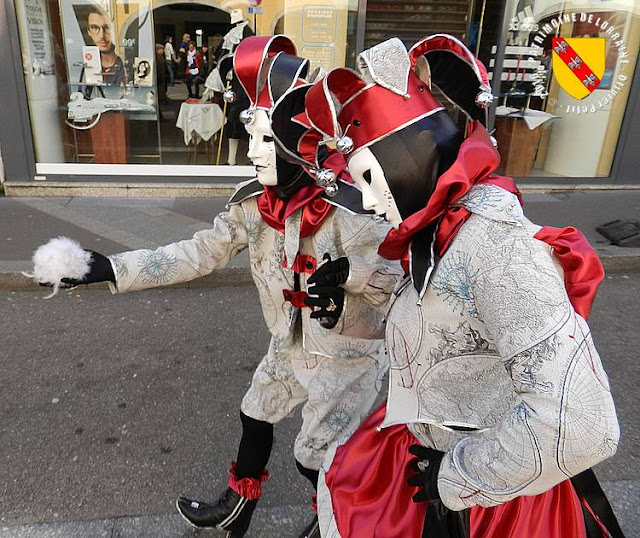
226,276
118,190
125,189
614,260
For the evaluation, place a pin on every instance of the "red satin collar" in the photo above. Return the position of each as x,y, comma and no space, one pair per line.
477,159
275,211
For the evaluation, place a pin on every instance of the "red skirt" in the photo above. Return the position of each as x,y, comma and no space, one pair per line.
371,497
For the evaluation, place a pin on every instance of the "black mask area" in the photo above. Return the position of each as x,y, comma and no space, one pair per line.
415,157
291,178
287,134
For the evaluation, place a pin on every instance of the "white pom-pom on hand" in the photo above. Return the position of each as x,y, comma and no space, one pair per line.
59,258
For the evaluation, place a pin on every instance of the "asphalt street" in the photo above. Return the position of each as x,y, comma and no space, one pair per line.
112,406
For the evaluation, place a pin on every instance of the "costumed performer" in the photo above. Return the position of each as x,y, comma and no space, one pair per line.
289,223
498,403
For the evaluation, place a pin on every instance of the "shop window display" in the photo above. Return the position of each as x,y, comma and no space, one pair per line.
565,81
104,88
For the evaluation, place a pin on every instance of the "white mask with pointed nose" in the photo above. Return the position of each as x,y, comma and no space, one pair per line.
262,150
376,194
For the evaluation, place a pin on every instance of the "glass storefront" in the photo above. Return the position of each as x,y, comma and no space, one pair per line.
121,83
565,81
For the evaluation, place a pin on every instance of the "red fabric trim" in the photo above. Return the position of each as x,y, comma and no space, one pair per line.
251,488
308,147
275,211
603,528
296,298
342,83
367,481
314,503
440,42
371,498
302,264
456,216
583,271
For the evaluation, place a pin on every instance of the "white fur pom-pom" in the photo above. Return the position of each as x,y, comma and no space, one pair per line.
59,258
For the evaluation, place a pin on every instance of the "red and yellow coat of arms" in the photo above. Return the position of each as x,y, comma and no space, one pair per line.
578,64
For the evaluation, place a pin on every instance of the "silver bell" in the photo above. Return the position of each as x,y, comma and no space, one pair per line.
246,116
344,144
484,99
325,177
229,96
331,190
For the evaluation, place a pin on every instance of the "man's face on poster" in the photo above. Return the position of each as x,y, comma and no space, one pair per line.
100,29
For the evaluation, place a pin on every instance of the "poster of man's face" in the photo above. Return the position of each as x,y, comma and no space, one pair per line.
103,39
100,30
121,31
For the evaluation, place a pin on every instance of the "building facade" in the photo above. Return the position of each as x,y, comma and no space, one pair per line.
92,93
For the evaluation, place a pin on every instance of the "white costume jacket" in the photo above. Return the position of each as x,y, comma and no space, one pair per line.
495,346
272,257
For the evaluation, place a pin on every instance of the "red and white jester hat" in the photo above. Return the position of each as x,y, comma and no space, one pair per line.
393,90
267,67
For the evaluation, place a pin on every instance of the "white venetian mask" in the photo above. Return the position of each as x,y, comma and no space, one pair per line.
262,150
376,194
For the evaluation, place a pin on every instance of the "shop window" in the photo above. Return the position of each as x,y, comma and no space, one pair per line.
566,76
103,87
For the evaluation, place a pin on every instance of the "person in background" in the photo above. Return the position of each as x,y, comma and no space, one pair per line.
169,58
161,73
184,46
204,69
192,70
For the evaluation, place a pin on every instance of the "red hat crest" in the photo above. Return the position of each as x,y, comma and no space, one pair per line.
249,59
355,110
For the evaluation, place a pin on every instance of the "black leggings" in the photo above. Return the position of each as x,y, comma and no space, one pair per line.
255,449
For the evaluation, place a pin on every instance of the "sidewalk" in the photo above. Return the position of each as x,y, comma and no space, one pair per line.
111,225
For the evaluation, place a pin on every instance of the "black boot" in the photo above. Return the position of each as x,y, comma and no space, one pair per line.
231,513
233,510
312,530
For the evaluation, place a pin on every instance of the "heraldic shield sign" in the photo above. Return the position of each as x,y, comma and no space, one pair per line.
578,64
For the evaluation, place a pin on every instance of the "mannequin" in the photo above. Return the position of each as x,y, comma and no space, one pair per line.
234,130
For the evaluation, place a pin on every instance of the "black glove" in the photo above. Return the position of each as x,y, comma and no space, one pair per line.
330,301
331,273
100,271
426,466
439,521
